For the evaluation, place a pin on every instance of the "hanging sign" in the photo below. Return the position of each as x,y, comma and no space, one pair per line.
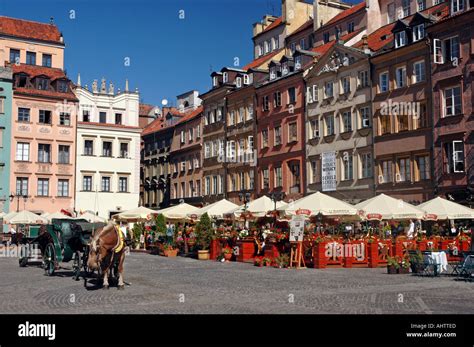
328,176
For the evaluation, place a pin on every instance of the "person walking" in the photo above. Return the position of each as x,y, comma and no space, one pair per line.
411,230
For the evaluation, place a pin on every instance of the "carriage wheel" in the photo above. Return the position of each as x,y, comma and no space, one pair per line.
76,265
48,260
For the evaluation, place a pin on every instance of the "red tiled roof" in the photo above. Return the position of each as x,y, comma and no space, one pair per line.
159,123
346,13
276,23
29,29
191,115
35,70
109,125
261,60
46,93
145,109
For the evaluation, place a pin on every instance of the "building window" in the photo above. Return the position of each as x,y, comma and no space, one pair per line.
207,150
366,165
86,116
419,74
250,112
406,8
346,85
386,172
241,115
391,12
233,185
365,117
41,83
421,5
23,114
44,117
383,82
421,119
314,171
232,117
207,186
452,48
30,58
22,151
457,6
251,179
326,37
329,120
265,103
277,99
293,47
277,139
63,154
302,44
123,184
105,187
265,179
314,128
118,118
47,60
250,144
264,138
215,81
347,121
292,132
418,32
454,156
102,117
87,183
363,79
106,149
402,122
400,39
123,150
14,56
88,147
63,188
214,185
452,101
64,119
404,170
385,124
44,153
328,90
43,187
401,77
278,177
266,47
423,167
225,77
291,95
22,186
312,94
348,166
350,27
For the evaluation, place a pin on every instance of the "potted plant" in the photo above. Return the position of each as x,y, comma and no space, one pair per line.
266,261
416,262
227,253
204,232
392,265
137,231
404,266
282,261
257,262
169,250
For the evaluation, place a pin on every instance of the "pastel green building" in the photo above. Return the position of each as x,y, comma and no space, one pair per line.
5,136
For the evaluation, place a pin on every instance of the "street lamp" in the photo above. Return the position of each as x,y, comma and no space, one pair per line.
245,198
275,197
25,199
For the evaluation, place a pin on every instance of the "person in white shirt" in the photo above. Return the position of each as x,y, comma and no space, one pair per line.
411,230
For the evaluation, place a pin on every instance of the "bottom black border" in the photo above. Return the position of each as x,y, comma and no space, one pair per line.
242,329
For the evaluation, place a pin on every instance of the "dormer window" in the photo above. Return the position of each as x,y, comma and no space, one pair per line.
42,83
225,77
266,46
400,39
285,69
215,81
302,44
273,73
293,47
457,6
238,82
246,79
62,86
21,81
421,4
298,62
418,32
259,50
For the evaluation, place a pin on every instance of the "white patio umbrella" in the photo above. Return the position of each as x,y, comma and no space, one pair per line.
92,218
260,207
139,213
178,212
55,215
439,208
216,210
26,217
383,207
317,203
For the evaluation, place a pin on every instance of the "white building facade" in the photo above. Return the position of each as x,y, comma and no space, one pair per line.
108,149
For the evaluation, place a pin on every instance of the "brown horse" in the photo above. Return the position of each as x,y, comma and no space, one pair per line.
103,253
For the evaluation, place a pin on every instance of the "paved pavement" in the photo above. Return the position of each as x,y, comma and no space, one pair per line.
183,285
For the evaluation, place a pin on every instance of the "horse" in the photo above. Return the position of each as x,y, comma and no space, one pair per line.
105,248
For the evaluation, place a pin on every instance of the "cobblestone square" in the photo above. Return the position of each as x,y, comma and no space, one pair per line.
184,285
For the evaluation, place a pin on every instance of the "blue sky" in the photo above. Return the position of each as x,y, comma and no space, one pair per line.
168,55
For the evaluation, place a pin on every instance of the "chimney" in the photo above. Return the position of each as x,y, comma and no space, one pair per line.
316,19
288,10
365,44
372,8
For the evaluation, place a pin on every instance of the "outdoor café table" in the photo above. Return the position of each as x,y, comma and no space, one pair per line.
438,260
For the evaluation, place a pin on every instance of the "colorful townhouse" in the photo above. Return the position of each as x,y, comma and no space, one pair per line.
43,124
108,149
5,135
402,106
452,80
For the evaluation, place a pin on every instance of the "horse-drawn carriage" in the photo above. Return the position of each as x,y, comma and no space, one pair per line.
62,240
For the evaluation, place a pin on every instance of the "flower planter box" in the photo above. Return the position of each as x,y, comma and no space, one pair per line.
422,245
170,252
319,256
271,250
246,250
373,252
203,255
214,249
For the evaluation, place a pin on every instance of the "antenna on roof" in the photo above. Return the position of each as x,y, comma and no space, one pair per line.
51,20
